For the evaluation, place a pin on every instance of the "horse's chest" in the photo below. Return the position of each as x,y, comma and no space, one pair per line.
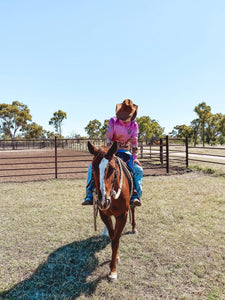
115,211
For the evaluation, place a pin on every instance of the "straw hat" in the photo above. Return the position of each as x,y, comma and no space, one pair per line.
126,111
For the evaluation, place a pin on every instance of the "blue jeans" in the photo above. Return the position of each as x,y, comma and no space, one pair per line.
136,171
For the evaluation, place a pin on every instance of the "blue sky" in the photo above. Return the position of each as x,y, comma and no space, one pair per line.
85,56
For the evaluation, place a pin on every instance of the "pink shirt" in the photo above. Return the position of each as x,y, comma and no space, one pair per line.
124,134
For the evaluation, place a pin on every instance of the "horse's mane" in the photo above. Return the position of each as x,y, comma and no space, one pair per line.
103,149
100,153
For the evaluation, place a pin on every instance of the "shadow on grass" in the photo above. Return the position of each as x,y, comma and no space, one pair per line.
64,274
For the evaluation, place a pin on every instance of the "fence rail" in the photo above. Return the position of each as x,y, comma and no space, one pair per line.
69,157
56,158
211,155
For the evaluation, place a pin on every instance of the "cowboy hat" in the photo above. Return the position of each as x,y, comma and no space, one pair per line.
126,111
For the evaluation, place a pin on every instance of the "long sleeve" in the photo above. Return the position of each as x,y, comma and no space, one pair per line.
109,132
134,141
124,134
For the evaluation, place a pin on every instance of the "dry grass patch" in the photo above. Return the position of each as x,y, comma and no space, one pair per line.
49,249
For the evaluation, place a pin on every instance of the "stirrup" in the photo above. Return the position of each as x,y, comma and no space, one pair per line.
135,202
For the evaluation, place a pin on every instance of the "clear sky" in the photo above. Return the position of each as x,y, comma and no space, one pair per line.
85,56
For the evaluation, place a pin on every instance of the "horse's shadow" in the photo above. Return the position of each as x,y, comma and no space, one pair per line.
64,274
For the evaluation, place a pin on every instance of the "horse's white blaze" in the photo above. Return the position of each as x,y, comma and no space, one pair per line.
102,166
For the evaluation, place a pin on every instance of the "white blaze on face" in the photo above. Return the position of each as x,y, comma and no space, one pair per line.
102,166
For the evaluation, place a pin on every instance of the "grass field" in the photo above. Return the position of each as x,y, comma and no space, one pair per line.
49,249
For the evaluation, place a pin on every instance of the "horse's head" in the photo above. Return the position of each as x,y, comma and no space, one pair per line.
104,173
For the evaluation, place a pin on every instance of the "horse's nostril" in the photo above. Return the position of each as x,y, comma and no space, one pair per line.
103,203
108,201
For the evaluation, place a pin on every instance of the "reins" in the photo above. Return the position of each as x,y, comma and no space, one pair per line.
113,192
128,175
123,169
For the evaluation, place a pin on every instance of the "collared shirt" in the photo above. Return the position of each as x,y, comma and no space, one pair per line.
124,134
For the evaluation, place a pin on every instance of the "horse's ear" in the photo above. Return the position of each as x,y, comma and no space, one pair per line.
112,150
91,148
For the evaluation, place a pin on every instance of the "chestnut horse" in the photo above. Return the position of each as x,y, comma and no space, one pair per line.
114,187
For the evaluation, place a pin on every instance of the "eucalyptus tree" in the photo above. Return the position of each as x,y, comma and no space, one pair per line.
182,131
148,127
93,129
204,114
35,131
57,121
213,128
195,127
104,128
14,119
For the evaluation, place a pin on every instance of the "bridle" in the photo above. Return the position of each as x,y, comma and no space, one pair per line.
122,169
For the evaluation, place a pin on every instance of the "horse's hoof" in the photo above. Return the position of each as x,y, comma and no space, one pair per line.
135,231
112,276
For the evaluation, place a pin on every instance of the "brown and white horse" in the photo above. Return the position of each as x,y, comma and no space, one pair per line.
113,187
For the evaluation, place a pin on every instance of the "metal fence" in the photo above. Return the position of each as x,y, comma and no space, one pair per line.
22,144
206,155
60,158
168,153
57,158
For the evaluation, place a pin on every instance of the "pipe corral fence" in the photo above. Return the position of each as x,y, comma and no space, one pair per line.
27,160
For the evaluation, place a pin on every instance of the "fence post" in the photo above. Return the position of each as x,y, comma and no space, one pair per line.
56,171
161,151
150,151
167,155
141,149
186,152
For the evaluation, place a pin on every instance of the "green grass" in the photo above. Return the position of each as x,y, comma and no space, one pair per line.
208,168
49,249
205,170
208,164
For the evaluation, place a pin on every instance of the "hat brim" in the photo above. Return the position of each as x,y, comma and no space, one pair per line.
126,116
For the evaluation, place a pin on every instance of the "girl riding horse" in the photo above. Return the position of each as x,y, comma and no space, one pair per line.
124,129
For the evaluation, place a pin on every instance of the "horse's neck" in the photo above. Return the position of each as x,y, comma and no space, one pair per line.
127,173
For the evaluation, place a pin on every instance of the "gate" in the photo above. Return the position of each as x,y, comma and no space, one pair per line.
165,153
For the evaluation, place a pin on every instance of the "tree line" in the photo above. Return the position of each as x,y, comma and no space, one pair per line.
16,122
206,128
148,128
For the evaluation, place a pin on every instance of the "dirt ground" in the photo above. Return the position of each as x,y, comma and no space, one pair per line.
30,165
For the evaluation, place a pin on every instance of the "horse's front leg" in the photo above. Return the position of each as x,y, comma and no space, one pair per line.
108,222
120,223
133,222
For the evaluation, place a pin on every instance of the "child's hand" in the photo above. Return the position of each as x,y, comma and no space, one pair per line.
137,162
